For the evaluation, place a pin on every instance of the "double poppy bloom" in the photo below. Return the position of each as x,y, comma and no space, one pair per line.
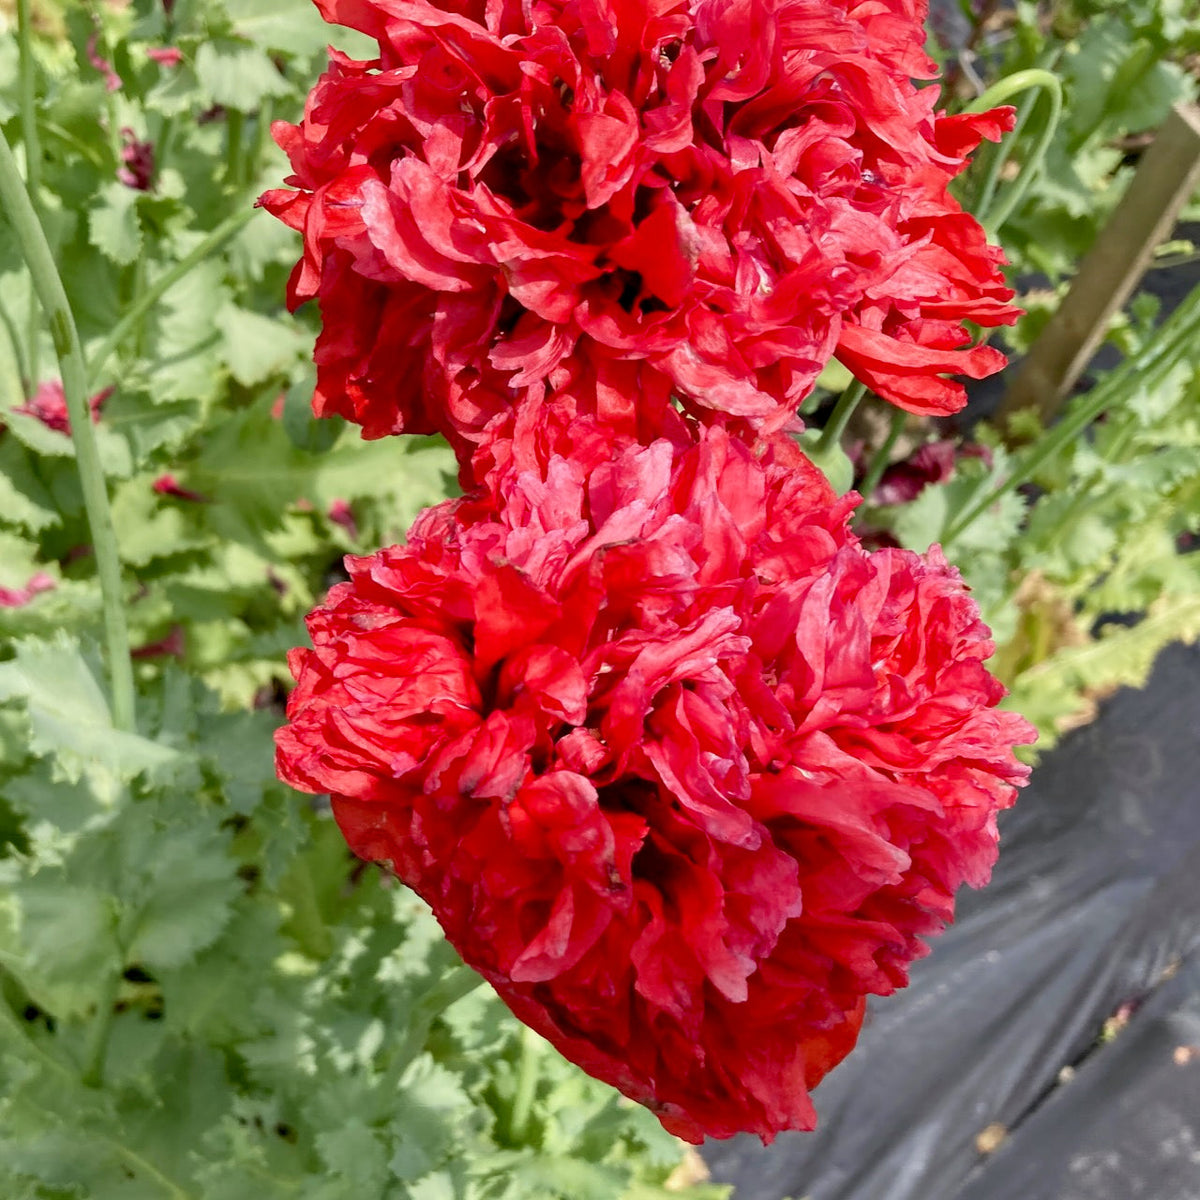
602,200
680,767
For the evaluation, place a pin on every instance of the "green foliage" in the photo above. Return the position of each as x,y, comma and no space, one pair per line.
202,995
1122,67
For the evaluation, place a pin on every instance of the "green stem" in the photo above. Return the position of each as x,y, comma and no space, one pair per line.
997,161
19,372
49,288
139,288
262,126
1083,497
831,435
527,1080
235,121
33,167
147,1168
882,456
162,285
457,982
97,1044
1021,81
1174,342
162,146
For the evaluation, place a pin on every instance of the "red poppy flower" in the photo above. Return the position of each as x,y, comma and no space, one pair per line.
680,768
718,194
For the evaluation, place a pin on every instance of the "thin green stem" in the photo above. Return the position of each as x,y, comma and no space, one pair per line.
882,456
999,158
1082,498
49,288
1049,85
1174,343
146,1167
162,146
18,372
33,168
527,1080
29,130
77,145
97,1043
457,982
831,435
139,288
262,126
235,123
151,296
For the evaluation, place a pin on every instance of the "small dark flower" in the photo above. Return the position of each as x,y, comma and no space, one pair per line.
138,159
341,514
171,646
49,405
168,485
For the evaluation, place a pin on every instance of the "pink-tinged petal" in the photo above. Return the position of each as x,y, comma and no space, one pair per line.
165,56
18,597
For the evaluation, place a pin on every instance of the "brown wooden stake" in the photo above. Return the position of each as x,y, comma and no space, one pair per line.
1166,177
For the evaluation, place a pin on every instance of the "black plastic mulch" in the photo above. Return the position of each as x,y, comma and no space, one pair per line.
1094,907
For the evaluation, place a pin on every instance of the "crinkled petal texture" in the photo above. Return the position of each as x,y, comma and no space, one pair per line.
716,196
680,768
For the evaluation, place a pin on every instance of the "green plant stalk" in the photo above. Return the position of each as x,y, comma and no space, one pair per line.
1175,340
262,126
49,289
33,168
1021,81
1081,499
527,1078
459,981
151,296
848,401
235,122
882,456
999,159
14,384
98,1036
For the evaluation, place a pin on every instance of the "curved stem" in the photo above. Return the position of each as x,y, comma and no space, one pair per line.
1050,86
151,296
831,435
998,160
49,288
